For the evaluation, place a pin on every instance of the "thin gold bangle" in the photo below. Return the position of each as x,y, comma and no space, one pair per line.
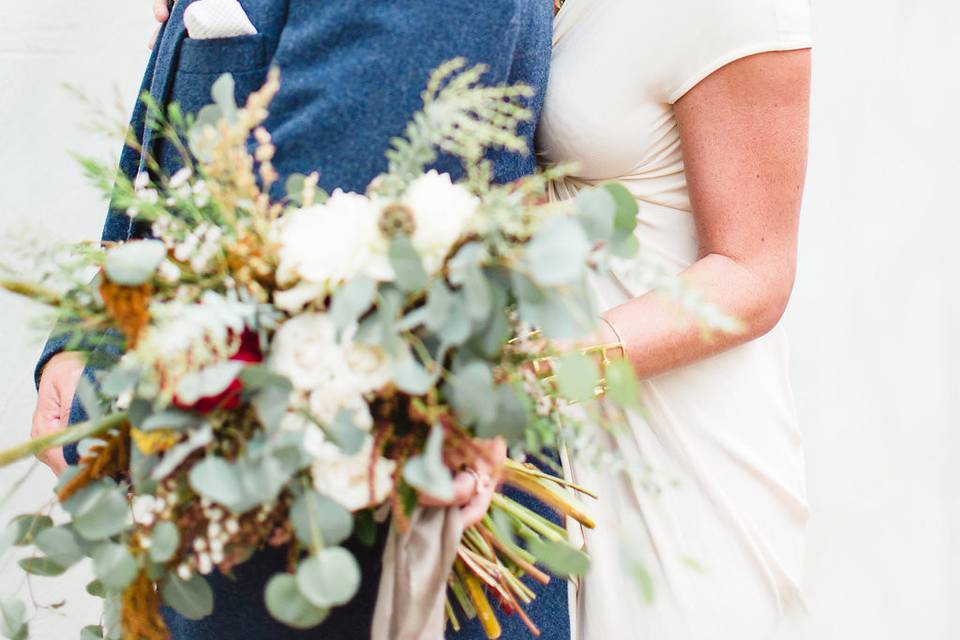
621,343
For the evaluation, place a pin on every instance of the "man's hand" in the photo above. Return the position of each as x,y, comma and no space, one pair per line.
162,14
473,489
58,384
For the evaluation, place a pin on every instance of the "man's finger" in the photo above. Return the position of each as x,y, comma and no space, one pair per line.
160,11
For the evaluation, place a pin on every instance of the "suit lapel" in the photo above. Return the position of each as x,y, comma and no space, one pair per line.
168,45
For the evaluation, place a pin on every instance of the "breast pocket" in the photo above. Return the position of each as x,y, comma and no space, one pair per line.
199,64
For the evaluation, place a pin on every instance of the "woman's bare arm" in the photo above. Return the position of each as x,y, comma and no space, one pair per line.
743,132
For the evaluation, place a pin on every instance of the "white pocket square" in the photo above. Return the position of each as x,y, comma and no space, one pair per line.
206,19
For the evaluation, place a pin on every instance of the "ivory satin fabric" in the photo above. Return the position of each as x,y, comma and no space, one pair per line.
723,537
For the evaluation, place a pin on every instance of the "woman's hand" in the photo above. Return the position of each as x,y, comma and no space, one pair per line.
473,489
58,384
162,13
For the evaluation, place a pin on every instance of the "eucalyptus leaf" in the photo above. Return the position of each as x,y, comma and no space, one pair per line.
91,632
407,264
99,511
171,419
289,606
164,541
24,528
329,578
472,389
120,379
577,377
560,557
89,400
60,545
96,589
345,434
596,209
220,481
175,456
351,301
319,520
271,405
209,381
513,414
455,329
294,187
426,472
133,263
13,619
114,566
439,302
557,253
622,384
222,93
411,377
192,598
40,566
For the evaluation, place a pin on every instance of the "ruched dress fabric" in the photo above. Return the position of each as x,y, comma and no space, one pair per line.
723,535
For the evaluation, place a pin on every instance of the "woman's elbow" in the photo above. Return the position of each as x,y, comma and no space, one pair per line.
771,302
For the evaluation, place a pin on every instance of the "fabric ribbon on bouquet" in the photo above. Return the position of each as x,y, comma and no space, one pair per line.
413,585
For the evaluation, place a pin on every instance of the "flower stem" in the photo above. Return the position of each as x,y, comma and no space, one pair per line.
60,438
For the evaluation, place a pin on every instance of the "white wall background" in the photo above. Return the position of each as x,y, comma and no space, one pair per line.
875,320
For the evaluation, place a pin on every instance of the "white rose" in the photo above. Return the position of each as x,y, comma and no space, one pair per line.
305,350
346,479
441,211
329,243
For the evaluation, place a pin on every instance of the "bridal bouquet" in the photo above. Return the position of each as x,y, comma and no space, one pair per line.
283,371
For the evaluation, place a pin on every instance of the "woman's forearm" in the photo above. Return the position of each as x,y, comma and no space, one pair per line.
659,335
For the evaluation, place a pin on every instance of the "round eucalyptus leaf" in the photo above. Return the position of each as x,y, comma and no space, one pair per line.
164,541
40,566
577,377
96,589
289,606
60,545
427,472
557,253
133,263
313,514
13,616
622,384
114,566
91,632
99,511
193,598
329,578
24,529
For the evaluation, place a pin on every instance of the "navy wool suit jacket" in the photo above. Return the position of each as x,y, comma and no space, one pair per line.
351,76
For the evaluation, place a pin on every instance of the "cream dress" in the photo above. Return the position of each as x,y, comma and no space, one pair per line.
723,540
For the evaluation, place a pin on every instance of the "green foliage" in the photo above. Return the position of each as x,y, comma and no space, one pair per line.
114,566
60,544
193,598
329,578
13,619
426,472
98,511
319,521
164,541
287,604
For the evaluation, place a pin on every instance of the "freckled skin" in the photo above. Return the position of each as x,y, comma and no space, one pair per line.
743,133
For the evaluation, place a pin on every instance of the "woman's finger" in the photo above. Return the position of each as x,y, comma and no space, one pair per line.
464,488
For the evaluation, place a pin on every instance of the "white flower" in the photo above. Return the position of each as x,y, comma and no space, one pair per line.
346,478
441,211
305,350
297,297
329,243
335,373
180,178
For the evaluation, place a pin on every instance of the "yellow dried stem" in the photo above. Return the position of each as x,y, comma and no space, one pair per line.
140,614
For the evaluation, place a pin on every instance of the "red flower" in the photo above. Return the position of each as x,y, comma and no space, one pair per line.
229,398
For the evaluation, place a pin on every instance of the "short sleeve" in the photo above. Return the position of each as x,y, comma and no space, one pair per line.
718,32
